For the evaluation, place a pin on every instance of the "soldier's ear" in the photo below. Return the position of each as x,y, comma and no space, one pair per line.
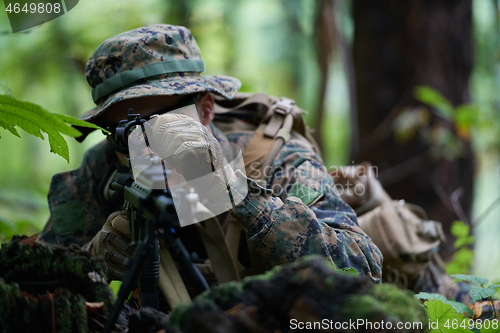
205,105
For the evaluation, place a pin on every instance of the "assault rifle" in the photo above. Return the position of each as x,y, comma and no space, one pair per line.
152,215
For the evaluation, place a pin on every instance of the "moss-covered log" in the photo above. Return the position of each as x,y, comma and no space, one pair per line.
310,291
39,268
47,288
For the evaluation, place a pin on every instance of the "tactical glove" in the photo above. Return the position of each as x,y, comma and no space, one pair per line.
113,243
186,145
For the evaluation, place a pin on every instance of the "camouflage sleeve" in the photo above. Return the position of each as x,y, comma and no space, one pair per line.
77,207
308,217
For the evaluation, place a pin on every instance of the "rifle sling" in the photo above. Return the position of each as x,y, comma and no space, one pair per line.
171,283
221,258
271,135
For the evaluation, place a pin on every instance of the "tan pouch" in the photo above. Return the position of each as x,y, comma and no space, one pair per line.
403,234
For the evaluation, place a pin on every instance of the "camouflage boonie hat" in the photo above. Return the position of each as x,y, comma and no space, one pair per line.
153,60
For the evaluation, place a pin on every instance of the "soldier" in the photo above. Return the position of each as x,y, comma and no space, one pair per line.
156,69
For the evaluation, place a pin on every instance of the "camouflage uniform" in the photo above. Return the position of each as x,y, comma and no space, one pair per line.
77,205
282,228
308,217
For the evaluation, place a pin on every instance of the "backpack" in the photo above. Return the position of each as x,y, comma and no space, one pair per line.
403,233
272,120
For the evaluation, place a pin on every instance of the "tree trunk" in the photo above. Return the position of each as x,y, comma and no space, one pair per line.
398,45
325,37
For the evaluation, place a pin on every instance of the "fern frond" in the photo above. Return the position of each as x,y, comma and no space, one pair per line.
34,119
10,128
77,122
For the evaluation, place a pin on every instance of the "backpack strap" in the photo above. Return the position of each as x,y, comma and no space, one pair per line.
170,281
279,128
275,119
248,99
278,112
271,135
218,250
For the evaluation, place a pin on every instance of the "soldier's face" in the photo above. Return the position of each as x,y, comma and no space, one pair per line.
145,106
148,106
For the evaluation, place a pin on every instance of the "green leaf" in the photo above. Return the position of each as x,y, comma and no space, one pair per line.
466,115
10,128
460,242
434,98
19,227
349,270
459,307
424,295
6,223
495,286
442,317
78,122
480,281
34,119
477,293
115,287
460,229
493,326
461,261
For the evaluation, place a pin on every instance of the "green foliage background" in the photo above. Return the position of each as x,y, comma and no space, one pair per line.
267,44
251,40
